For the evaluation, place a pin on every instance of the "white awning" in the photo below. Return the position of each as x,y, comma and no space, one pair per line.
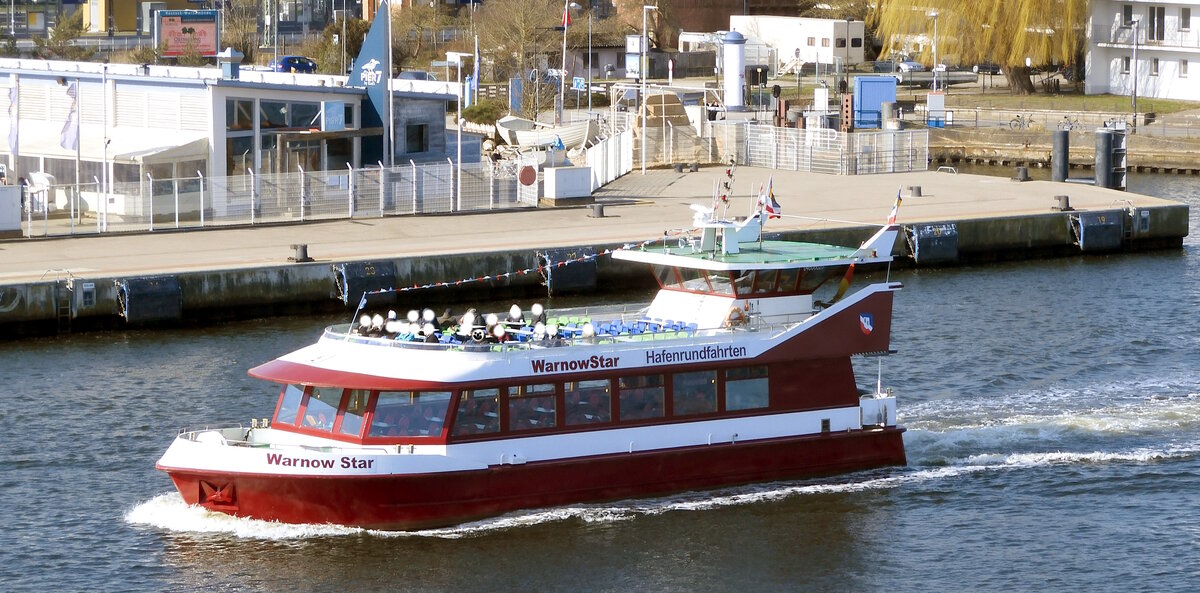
126,145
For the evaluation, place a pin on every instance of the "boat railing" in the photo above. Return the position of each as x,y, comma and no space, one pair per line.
239,436
753,323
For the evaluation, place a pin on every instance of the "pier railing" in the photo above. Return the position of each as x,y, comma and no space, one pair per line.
199,201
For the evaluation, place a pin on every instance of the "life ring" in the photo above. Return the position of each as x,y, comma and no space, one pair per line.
735,317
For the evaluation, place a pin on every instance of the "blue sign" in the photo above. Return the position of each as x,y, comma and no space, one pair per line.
578,84
333,116
372,70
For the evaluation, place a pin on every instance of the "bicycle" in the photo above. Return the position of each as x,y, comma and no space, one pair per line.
1068,123
1021,122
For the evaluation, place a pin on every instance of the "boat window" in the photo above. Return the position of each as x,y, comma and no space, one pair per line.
746,388
531,406
765,282
641,397
356,406
586,402
694,393
815,277
666,276
410,413
289,404
694,280
787,280
744,283
719,281
322,407
478,412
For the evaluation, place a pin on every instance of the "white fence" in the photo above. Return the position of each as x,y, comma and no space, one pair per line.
153,204
830,151
610,158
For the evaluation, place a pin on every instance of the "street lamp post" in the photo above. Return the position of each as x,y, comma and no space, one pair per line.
934,14
642,67
1135,70
562,73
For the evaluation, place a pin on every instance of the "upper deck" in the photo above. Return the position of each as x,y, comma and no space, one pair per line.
767,255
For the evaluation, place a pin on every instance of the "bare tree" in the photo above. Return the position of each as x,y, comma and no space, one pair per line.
239,29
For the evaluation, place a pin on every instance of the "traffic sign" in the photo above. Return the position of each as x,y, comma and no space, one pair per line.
578,84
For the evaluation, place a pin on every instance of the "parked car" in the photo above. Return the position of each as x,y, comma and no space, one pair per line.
298,64
884,66
986,68
910,66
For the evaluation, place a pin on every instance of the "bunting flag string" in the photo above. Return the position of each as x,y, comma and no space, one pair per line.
540,269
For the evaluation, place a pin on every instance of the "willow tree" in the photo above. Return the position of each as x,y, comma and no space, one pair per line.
1007,32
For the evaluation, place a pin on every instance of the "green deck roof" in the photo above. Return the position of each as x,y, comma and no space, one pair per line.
773,254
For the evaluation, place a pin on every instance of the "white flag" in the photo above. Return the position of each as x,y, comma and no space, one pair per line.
13,120
69,138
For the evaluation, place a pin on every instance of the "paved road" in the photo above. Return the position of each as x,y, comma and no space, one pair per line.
637,208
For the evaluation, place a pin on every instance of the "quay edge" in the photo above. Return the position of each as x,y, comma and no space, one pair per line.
58,305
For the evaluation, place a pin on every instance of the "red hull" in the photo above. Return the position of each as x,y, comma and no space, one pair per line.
435,500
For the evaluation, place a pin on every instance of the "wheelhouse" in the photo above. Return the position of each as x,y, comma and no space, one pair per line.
746,284
517,408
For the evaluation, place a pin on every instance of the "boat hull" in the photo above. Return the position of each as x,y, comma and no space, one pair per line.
405,502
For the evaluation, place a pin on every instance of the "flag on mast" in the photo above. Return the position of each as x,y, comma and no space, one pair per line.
766,200
895,209
566,20
69,137
12,120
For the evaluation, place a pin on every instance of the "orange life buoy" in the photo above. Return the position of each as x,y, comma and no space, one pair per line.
735,317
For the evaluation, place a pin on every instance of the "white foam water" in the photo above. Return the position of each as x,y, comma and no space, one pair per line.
1136,407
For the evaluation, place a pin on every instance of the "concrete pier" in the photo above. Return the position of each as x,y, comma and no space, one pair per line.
70,284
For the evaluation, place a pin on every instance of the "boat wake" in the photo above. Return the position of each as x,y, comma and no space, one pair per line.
1119,423
168,511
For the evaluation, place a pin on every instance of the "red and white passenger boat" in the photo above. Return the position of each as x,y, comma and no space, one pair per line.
734,374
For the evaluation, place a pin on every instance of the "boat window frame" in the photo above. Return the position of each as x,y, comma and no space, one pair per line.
303,416
279,404
593,386
522,391
662,403
725,381
715,382
347,394
378,395
483,432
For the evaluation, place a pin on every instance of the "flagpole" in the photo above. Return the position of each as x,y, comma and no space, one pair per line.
104,170
390,149
562,74
78,152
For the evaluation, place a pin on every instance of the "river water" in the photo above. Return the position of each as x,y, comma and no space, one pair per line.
1053,414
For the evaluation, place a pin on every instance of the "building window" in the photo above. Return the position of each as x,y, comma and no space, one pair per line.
1183,68
1185,19
1158,23
812,41
856,42
415,139
1125,65
824,42
1154,67
841,42
1127,15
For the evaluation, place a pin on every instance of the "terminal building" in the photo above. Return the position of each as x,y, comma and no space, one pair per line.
122,122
